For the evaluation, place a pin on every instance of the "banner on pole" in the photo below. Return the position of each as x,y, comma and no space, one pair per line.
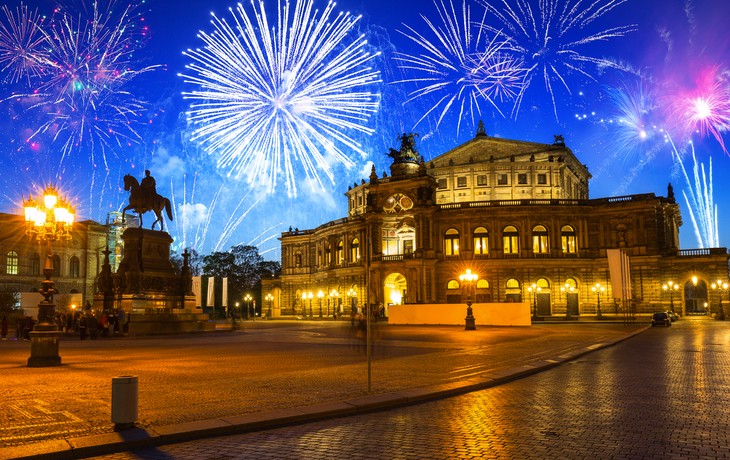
225,292
618,266
197,289
211,297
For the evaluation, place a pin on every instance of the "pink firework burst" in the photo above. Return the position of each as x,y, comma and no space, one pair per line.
706,109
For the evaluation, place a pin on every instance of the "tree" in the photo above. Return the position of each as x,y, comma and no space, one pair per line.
244,267
9,299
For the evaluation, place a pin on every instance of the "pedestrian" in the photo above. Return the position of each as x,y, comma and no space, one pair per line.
93,327
59,322
104,323
82,327
122,320
334,315
69,322
29,323
19,324
4,327
113,323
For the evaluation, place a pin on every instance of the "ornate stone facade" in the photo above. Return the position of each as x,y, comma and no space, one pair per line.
517,213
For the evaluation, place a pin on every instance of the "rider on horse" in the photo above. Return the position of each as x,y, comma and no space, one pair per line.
149,189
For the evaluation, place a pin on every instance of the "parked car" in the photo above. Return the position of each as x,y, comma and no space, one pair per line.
672,316
660,318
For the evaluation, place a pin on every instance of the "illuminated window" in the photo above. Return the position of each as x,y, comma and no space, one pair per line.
543,283
567,236
482,284
571,283
451,240
540,243
74,266
35,265
481,241
355,250
328,255
340,256
452,284
512,283
11,266
511,240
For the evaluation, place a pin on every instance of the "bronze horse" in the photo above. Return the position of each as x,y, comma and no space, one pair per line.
138,203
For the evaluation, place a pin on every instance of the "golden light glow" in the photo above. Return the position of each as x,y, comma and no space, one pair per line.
320,294
694,280
468,276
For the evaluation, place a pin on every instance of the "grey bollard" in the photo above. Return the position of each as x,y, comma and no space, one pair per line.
125,395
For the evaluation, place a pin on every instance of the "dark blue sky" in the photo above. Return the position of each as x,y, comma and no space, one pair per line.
674,41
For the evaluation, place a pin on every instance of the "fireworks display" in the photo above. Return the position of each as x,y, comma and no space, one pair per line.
306,96
700,202
78,69
292,94
549,38
461,65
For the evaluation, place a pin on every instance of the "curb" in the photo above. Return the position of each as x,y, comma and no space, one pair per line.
170,434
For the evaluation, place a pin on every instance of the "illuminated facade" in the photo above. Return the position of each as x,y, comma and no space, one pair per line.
517,213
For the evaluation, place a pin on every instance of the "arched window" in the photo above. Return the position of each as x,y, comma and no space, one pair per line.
543,283
511,240
298,260
512,283
481,241
540,243
567,235
452,284
35,265
340,256
11,263
74,267
56,266
328,254
355,250
482,284
451,240
570,282
319,257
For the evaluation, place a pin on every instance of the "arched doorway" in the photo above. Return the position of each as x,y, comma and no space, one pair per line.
695,297
275,303
394,291
543,297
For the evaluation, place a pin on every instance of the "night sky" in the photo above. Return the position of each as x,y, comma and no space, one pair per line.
671,56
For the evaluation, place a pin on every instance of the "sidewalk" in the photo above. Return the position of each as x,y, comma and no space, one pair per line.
67,446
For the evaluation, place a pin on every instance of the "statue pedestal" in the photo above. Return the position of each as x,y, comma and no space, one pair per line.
146,287
44,349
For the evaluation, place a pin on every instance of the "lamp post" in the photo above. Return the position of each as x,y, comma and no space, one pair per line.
598,289
320,294
567,289
333,296
248,302
238,309
534,289
469,279
671,287
50,219
270,298
719,287
309,296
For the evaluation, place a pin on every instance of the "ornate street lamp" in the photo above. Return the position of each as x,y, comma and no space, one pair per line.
320,294
598,289
270,298
534,289
671,286
352,294
469,279
719,287
248,304
567,289
51,219
309,296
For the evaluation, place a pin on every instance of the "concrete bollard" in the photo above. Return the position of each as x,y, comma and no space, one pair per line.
125,396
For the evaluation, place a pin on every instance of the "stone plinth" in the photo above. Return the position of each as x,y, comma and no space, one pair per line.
147,288
44,349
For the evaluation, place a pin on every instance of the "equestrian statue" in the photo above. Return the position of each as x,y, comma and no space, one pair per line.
143,198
